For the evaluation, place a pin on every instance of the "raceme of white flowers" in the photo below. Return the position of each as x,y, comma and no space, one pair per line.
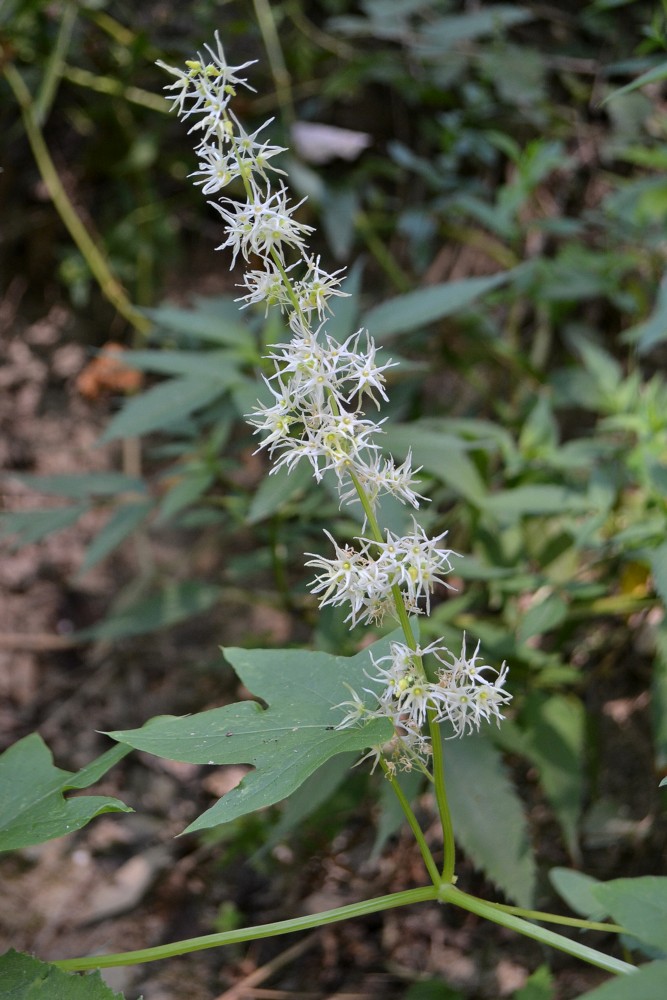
316,415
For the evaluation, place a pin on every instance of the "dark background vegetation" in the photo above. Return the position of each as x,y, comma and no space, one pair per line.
538,412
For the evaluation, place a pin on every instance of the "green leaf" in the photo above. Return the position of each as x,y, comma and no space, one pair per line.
276,490
23,977
447,32
653,330
32,805
659,697
441,455
542,617
576,889
433,989
313,793
409,312
605,369
554,740
538,986
80,487
122,522
286,742
203,364
216,320
489,822
639,905
193,481
538,499
653,75
172,604
649,982
164,404
33,525
658,561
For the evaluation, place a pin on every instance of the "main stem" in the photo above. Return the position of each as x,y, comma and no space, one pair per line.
313,920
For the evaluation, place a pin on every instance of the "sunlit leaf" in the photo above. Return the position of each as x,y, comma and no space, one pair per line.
276,490
447,32
539,499
539,986
653,330
542,617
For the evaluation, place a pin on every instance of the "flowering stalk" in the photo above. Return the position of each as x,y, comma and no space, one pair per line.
316,415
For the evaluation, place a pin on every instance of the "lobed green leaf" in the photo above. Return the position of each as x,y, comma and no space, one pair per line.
32,803
23,977
285,742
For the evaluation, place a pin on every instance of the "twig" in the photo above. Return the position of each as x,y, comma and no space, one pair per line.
259,975
37,642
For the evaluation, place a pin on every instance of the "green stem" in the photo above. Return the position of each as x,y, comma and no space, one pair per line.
556,918
400,280
448,843
275,257
116,88
450,894
425,894
414,825
281,77
55,65
109,286
444,894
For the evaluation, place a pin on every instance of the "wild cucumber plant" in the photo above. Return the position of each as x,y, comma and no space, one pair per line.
397,701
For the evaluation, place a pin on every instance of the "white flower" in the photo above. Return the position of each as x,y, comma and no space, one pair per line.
208,85
357,711
216,167
317,286
365,374
262,226
253,156
470,696
342,576
265,286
